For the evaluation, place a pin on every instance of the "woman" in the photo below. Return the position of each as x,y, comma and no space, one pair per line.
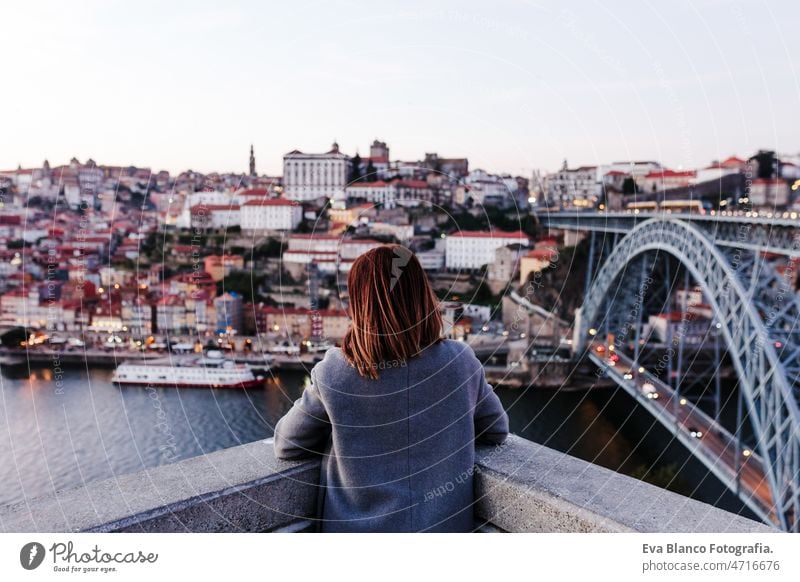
396,411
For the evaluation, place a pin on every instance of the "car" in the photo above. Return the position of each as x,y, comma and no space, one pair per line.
600,349
75,342
628,375
649,391
614,357
695,433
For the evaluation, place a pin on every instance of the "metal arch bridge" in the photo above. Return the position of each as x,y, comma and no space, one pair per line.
758,315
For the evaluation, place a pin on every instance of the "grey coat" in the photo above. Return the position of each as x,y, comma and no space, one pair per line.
398,452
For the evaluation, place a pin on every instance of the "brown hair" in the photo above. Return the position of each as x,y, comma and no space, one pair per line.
394,311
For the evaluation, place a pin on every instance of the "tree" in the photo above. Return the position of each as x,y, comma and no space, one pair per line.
766,164
355,169
629,186
245,283
272,248
371,172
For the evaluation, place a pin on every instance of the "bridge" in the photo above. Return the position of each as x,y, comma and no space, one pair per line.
777,232
636,261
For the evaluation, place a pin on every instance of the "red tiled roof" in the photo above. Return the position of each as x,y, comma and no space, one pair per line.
541,254
732,161
489,234
678,316
671,174
412,183
772,181
376,184
361,241
203,208
315,236
254,192
271,202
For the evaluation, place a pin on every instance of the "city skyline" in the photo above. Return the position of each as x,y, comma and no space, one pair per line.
176,90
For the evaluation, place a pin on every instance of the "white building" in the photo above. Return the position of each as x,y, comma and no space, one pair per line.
573,187
636,169
330,253
379,192
718,170
481,185
214,216
312,176
313,243
472,250
431,260
662,180
351,249
271,214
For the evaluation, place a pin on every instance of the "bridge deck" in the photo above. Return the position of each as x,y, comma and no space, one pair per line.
716,448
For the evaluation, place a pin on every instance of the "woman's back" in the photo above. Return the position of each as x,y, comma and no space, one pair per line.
398,451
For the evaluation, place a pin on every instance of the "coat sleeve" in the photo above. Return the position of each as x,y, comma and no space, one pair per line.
491,421
305,429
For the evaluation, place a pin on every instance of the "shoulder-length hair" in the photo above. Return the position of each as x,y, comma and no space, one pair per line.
394,312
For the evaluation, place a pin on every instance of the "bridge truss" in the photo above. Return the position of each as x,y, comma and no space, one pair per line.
757,313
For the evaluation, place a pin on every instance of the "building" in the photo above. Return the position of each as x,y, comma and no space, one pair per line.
535,261
473,249
172,316
485,188
379,159
138,317
431,260
331,254
312,243
453,168
693,327
341,213
377,193
352,248
717,170
219,266
213,216
271,214
573,187
769,194
312,176
414,192
296,322
662,180
521,316
636,169
503,269
228,308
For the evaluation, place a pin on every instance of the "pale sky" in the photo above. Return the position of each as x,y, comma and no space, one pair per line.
513,85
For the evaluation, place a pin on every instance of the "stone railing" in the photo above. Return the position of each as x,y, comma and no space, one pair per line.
520,487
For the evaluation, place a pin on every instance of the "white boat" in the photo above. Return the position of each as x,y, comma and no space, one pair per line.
193,371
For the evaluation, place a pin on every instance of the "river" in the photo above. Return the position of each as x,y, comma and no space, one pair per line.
53,438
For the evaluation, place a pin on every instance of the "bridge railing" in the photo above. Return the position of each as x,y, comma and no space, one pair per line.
520,487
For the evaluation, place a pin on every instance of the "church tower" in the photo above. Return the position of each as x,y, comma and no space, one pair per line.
252,162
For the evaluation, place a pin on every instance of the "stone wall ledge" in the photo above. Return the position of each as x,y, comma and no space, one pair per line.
520,487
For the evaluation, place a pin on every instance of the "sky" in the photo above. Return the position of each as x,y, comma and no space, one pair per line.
513,85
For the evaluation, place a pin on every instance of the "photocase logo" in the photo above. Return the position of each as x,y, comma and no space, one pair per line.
31,555
401,257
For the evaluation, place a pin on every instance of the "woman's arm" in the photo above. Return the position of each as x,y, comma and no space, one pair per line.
491,421
305,429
